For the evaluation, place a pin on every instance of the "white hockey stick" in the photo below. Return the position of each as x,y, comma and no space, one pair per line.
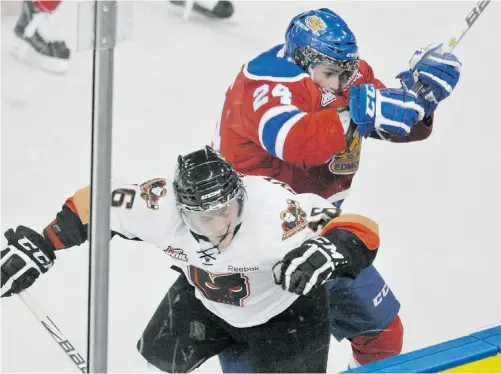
454,41
54,331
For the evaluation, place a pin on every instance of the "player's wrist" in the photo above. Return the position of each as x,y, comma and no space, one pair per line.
66,230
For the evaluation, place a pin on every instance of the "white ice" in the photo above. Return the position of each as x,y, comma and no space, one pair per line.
437,201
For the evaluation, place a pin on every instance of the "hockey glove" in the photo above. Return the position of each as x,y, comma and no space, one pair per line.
318,259
438,71
390,110
309,265
27,255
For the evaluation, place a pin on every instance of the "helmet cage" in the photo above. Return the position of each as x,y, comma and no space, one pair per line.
307,58
199,220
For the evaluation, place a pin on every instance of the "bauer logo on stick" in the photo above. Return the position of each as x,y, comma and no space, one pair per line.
472,17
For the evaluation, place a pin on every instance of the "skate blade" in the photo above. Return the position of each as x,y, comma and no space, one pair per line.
196,17
25,53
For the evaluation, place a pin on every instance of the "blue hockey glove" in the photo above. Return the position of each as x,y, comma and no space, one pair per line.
391,110
438,71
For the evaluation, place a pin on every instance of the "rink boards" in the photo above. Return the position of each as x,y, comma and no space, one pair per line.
476,353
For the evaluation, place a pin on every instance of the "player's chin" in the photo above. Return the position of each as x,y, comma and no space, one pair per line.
223,241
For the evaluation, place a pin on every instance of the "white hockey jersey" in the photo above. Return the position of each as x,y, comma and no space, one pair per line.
235,283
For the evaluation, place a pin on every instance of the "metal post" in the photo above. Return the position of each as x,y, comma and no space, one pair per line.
99,235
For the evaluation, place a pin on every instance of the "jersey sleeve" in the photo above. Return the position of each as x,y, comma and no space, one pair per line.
419,131
279,115
138,212
363,227
128,216
368,76
323,219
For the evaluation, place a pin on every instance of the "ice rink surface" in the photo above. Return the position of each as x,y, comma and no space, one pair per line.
437,202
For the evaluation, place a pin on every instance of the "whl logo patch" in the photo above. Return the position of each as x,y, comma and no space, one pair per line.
176,253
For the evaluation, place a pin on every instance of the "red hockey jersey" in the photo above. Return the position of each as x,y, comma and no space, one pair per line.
277,122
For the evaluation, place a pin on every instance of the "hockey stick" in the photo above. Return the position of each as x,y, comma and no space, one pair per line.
54,331
453,42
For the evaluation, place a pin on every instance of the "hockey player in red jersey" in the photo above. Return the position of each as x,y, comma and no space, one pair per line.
300,113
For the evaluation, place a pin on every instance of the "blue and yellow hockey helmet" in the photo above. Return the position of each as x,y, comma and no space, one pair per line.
321,36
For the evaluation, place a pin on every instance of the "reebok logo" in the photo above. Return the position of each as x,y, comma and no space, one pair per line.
242,269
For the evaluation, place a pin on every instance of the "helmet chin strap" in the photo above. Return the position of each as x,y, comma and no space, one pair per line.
311,71
228,231
223,238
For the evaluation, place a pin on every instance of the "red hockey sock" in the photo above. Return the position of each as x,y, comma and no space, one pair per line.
387,343
46,5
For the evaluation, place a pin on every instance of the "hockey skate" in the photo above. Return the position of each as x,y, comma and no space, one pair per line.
34,43
210,9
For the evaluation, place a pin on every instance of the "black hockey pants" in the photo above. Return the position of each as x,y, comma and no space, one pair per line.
183,334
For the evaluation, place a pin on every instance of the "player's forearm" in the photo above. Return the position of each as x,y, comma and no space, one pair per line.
315,139
69,228
365,228
420,131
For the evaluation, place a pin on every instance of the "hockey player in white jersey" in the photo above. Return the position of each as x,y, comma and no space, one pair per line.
253,255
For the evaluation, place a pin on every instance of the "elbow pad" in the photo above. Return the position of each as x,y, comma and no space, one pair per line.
357,239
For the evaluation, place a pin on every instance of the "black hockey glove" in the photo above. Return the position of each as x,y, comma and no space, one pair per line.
341,254
27,255
309,265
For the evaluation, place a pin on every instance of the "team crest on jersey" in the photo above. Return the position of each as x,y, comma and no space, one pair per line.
315,24
347,162
152,191
176,253
328,96
225,288
294,219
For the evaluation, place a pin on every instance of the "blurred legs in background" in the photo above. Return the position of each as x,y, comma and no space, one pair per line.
212,9
36,41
